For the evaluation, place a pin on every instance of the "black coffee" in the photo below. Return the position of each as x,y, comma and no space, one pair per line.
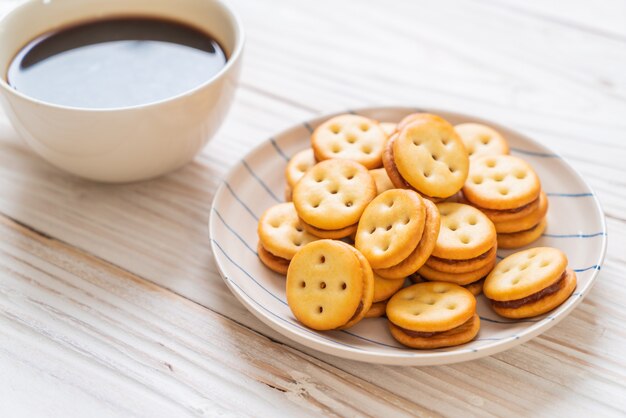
115,63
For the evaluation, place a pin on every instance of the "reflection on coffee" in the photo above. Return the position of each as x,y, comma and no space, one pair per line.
116,63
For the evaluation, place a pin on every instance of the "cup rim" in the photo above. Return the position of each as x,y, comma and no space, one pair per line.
232,59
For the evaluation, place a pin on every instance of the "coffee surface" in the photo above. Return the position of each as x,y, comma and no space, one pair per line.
115,63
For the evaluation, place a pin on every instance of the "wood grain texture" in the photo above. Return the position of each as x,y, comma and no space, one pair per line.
110,302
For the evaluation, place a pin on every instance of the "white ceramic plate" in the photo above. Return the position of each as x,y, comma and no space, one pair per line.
576,225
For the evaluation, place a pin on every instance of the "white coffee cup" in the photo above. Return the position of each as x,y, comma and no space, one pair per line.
128,143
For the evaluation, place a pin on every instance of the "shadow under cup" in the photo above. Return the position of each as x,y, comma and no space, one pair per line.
127,143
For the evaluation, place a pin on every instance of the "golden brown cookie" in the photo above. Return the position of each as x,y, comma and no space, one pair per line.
390,227
408,119
333,194
383,183
475,288
274,263
385,288
461,279
299,164
329,234
350,137
526,222
481,140
388,127
501,182
462,266
432,314
507,215
465,232
329,285
377,310
522,238
288,192
530,283
281,232
431,307
423,250
430,156
426,341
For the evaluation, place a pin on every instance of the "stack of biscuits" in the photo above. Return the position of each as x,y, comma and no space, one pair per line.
397,232
465,251
371,204
507,190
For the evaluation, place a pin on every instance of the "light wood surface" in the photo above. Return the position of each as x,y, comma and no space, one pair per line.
110,302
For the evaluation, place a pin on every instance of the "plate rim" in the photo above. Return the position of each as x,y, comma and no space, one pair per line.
417,357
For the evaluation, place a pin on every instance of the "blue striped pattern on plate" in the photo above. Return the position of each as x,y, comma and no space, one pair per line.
575,224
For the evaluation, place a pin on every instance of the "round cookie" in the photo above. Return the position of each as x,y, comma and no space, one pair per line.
350,137
377,310
274,263
431,307
408,119
281,232
333,194
461,279
465,232
481,140
383,183
526,222
456,336
522,238
299,164
423,250
501,182
430,156
390,227
508,215
524,273
385,288
329,285
544,304
330,234
462,266
368,290
475,288
388,128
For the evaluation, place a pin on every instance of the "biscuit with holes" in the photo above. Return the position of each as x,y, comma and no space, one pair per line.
394,175
522,238
383,183
288,193
526,222
385,288
423,250
461,279
329,285
475,288
388,128
333,194
299,164
351,137
501,182
481,140
530,283
408,119
429,155
447,265
391,227
377,310
274,263
465,232
508,215
280,231
432,315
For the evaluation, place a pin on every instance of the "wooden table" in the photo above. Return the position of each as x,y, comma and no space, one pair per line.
110,302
